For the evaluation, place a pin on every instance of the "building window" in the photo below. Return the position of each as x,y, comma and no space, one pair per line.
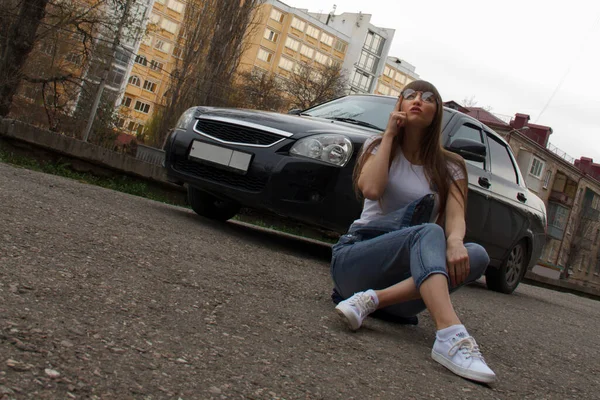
115,77
373,42
292,44
176,6
147,40
141,60
557,220
322,58
271,35
394,92
286,64
298,24
264,55
135,80
367,61
178,52
126,101
122,57
150,86
276,15
547,179
537,166
340,46
327,39
156,65
162,46
169,26
387,71
383,89
141,107
362,80
154,18
312,32
307,51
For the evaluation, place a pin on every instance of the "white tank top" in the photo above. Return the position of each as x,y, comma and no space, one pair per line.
406,183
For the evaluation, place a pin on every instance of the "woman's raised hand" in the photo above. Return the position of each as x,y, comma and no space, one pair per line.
397,120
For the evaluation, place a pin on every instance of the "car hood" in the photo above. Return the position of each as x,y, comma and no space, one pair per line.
297,125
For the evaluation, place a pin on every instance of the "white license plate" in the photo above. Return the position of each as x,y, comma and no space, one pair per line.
236,160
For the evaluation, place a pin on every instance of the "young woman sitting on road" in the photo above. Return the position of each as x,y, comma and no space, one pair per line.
393,263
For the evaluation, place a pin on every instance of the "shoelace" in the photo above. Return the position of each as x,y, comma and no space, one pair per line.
468,346
364,304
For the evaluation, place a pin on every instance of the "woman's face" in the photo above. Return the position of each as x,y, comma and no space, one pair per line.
419,107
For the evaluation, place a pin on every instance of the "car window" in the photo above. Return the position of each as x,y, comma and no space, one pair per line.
501,162
467,131
374,110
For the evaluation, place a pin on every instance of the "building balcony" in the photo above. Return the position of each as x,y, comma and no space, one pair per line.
561,198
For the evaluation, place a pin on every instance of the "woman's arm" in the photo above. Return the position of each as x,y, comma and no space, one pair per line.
456,228
373,177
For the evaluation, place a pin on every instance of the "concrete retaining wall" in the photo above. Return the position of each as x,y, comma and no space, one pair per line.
71,147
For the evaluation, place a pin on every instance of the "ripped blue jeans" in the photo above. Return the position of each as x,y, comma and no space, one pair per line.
360,262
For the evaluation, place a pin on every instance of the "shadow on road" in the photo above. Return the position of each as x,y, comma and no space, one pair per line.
275,240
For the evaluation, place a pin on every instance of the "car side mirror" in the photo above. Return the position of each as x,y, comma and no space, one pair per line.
295,111
468,149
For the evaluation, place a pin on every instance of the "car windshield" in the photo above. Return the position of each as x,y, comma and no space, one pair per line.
368,110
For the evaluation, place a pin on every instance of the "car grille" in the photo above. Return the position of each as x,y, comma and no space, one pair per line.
236,134
218,175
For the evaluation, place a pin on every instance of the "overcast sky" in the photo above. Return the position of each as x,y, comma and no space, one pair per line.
510,55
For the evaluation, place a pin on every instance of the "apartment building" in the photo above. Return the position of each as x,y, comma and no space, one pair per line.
64,54
367,50
287,36
152,65
569,188
396,75
284,37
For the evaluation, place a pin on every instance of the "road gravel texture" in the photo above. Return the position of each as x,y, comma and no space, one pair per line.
104,295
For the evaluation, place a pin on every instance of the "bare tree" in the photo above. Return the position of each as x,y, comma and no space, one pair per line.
311,84
261,90
23,19
470,102
212,40
46,47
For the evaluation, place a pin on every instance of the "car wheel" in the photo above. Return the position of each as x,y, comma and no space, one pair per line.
209,206
506,278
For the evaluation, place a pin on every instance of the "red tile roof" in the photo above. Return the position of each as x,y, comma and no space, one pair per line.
487,117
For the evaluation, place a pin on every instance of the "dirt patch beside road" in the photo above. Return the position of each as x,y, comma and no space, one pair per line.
107,295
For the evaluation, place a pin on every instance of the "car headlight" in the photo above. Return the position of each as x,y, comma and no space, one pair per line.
186,118
331,148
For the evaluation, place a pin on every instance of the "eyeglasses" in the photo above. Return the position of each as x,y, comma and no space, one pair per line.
427,97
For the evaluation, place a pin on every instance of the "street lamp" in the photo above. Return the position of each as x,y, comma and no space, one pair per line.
525,128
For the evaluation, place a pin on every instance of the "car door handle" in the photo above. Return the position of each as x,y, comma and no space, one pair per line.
521,197
484,182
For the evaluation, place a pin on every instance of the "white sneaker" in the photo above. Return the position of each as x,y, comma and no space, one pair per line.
355,309
461,355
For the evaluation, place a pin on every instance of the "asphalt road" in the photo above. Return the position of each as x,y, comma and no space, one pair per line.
106,295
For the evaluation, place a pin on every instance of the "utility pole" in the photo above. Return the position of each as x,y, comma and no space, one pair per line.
113,52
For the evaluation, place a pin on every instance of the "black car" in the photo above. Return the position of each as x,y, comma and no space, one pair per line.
301,165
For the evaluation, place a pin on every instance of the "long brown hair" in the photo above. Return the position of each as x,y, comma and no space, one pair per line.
435,158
